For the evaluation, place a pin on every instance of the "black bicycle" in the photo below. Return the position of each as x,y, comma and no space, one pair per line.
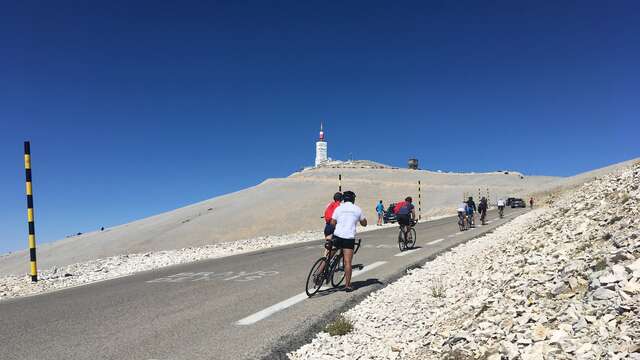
328,268
407,237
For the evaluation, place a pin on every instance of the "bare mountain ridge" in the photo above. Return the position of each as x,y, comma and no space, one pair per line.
279,206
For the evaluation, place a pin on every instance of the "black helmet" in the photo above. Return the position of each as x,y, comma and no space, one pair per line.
349,196
408,199
337,196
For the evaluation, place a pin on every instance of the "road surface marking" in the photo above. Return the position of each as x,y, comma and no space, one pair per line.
210,275
407,252
459,232
452,235
265,313
434,242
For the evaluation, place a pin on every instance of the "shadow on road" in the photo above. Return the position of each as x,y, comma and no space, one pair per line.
355,284
364,283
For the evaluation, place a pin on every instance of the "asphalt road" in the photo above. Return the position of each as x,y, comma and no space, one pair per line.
240,307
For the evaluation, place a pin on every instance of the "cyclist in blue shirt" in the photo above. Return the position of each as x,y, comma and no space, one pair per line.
471,208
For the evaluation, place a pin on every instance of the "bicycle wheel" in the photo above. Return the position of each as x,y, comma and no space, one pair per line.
401,241
411,238
461,224
316,276
337,271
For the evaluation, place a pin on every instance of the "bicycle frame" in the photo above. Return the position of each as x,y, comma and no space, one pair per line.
337,254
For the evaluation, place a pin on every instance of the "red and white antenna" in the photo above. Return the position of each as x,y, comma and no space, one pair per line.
321,133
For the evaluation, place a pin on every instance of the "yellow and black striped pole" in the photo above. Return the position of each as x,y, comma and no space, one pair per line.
339,182
30,217
419,201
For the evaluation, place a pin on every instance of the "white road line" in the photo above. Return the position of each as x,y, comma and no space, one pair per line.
452,235
265,313
434,242
407,252
459,232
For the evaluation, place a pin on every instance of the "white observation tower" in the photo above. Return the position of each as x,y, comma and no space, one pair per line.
321,148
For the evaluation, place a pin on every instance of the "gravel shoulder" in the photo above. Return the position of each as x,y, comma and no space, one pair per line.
561,282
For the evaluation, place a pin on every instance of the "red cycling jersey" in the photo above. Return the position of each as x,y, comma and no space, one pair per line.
328,213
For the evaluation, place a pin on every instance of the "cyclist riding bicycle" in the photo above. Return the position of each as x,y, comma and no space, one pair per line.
345,218
500,206
462,210
328,214
472,204
471,208
405,212
329,228
482,209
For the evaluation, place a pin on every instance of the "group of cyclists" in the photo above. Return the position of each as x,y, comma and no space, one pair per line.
467,210
342,216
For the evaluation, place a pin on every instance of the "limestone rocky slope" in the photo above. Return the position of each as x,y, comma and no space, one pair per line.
561,282
274,207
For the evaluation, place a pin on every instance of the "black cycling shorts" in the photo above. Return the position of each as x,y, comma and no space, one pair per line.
404,220
328,229
341,243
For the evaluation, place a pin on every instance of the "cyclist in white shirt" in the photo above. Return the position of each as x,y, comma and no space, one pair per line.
500,207
345,218
462,210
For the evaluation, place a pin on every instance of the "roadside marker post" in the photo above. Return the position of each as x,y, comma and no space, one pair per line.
340,182
419,201
30,215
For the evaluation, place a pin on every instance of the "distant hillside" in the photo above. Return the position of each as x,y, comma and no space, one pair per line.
279,206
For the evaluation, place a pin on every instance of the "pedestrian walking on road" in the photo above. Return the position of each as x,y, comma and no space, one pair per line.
531,202
380,211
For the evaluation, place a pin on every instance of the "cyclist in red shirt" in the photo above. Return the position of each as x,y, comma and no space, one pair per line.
328,213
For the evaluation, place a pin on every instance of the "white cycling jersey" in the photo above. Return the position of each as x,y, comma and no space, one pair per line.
500,202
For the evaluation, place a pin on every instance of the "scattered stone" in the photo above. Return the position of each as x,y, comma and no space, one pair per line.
561,282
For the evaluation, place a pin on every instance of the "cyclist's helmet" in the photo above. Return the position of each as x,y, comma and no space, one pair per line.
337,196
349,196
408,199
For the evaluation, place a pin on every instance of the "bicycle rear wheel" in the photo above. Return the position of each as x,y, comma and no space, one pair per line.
316,276
337,271
401,240
411,238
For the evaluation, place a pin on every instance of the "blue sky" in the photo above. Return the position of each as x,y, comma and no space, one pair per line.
134,108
